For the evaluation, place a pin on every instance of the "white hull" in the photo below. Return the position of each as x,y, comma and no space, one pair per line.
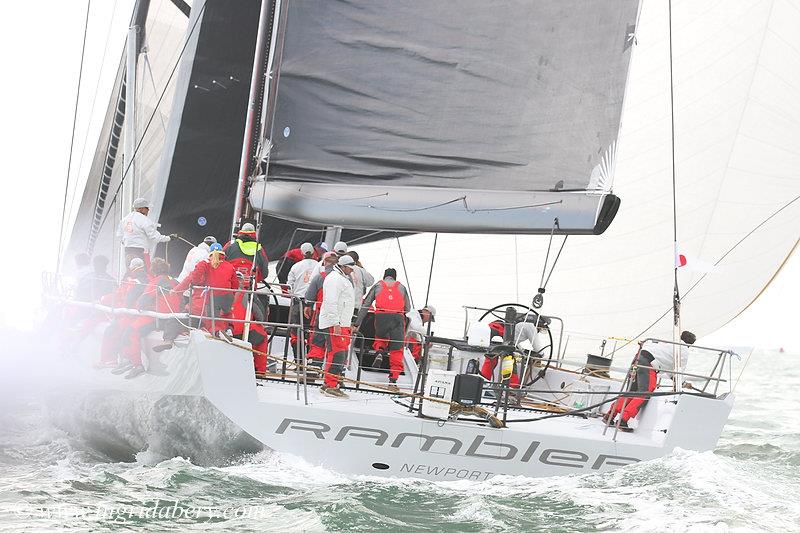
371,434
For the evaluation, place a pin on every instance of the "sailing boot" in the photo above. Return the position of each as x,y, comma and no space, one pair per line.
136,371
162,347
623,426
393,385
333,392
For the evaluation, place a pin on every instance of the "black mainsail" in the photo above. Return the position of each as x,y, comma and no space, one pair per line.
451,117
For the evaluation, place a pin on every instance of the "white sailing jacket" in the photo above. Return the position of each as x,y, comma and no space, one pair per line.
662,355
195,255
362,281
138,231
300,276
338,301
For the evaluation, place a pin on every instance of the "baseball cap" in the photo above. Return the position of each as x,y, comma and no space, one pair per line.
432,310
141,203
307,248
340,247
210,240
346,261
136,263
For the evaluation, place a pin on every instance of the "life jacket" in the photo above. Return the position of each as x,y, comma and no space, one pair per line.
390,298
241,254
248,247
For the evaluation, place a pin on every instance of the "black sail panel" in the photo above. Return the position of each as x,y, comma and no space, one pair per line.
489,116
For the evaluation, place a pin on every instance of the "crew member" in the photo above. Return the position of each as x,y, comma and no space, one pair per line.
243,250
216,273
133,284
527,337
257,336
362,279
139,234
195,255
391,302
339,249
299,279
652,359
335,317
294,256
158,297
314,298
95,283
417,323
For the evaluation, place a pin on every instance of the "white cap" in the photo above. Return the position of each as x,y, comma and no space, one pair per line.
141,203
346,261
340,247
431,309
136,263
307,248
247,228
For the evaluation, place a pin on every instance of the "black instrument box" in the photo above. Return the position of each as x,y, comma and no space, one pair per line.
468,389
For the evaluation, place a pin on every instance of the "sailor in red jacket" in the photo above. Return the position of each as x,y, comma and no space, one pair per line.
125,296
391,303
652,357
242,251
158,297
258,337
206,276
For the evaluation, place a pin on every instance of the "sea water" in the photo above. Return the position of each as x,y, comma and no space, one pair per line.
53,477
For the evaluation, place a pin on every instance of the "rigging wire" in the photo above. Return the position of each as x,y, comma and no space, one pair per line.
153,114
94,102
405,270
430,274
72,138
676,298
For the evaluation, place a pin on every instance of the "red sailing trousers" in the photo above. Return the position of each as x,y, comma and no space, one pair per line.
628,406
337,348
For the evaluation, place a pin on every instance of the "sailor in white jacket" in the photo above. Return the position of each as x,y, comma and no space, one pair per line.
138,234
195,255
335,319
302,272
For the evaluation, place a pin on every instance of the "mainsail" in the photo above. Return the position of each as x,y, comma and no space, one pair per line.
404,115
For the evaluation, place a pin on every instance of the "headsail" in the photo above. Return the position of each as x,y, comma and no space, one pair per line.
449,117
737,90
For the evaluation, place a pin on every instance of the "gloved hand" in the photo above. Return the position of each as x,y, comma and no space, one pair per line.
173,235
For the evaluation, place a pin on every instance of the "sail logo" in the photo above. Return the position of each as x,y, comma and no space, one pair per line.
479,447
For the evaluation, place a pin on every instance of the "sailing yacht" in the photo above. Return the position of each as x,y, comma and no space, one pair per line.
604,138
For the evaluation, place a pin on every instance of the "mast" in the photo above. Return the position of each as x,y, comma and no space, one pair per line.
262,83
258,84
129,147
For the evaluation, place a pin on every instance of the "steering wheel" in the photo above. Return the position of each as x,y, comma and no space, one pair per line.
498,312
